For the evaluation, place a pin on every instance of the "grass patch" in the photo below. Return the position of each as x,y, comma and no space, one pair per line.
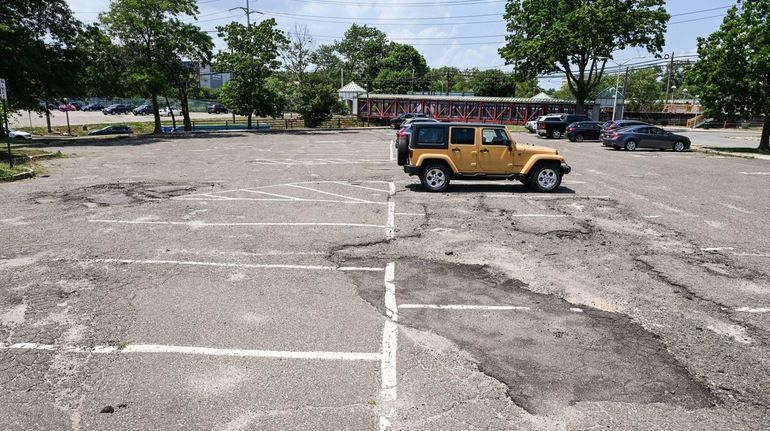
740,150
517,128
122,344
6,171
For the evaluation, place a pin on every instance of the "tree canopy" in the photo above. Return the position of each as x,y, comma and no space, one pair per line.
732,72
560,36
252,59
39,61
402,70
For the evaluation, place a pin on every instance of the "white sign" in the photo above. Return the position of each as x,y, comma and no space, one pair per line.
3,94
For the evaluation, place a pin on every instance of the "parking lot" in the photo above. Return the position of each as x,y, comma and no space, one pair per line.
302,281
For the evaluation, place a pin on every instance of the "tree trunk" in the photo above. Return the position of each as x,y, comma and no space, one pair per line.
157,130
185,108
580,106
248,124
48,120
171,111
764,141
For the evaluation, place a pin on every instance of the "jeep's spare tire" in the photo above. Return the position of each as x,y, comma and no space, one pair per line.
403,151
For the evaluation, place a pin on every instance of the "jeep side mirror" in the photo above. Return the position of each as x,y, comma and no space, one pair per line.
508,143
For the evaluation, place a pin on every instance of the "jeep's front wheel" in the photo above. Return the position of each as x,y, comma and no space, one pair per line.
545,178
435,177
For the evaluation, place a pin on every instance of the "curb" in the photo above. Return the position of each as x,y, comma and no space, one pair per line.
723,153
29,173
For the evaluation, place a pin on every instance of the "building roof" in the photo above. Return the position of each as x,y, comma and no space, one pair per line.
471,98
352,87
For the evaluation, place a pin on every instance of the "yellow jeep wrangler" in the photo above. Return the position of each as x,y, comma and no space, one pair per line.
444,151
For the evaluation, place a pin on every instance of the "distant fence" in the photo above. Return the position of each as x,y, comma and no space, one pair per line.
287,123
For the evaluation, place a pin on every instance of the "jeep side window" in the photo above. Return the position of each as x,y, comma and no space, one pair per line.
493,137
463,136
431,136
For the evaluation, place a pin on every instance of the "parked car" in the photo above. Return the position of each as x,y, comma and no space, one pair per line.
92,107
621,124
396,122
143,109
49,106
555,126
216,108
645,136
116,108
532,125
438,153
115,129
77,104
166,112
67,107
583,130
406,128
18,134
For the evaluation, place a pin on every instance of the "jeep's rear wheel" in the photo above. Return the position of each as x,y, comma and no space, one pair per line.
545,178
435,177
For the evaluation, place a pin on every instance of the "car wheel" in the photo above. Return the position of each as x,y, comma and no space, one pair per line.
579,138
545,178
556,134
403,151
435,177
678,146
630,145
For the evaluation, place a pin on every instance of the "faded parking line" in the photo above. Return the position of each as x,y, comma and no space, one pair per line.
228,264
192,350
200,224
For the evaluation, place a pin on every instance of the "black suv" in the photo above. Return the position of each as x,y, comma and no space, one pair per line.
216,108
396,122
554,127
116,109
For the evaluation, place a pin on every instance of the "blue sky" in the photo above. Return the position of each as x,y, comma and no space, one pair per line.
459,33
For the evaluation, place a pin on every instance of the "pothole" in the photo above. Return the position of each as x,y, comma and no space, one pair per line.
550,354
117,193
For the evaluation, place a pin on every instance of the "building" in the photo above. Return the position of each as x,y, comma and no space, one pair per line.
209,79
350,94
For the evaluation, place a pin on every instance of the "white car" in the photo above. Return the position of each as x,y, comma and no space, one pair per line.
165,112
18,134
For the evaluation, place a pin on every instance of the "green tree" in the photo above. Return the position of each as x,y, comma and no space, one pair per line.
146,29
438,79
402,70
732,72
493,83
558,36
527,88
316,101
39,61
103,64
297,53
252,59
330,67
363,48
187,48
644,93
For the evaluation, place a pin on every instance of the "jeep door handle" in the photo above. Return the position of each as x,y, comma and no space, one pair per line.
456,149
484,151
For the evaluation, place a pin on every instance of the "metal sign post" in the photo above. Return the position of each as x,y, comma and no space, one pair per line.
4,97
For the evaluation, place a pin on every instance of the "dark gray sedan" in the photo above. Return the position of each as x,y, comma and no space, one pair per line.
635,137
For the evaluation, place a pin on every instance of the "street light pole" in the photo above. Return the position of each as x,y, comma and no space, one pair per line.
617,83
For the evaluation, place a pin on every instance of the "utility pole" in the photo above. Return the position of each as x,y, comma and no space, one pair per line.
447,82
248,14
625,93
668,83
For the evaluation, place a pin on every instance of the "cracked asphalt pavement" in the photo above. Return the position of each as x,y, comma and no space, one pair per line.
249,281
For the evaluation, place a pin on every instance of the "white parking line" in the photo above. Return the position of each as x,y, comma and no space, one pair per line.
204,351
391,145
268,194
390,227
715,249
754,173
229,265
463,307
735,208
752,310
300,200
752,254
360,187
327,193
388,388
200,224
539,215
